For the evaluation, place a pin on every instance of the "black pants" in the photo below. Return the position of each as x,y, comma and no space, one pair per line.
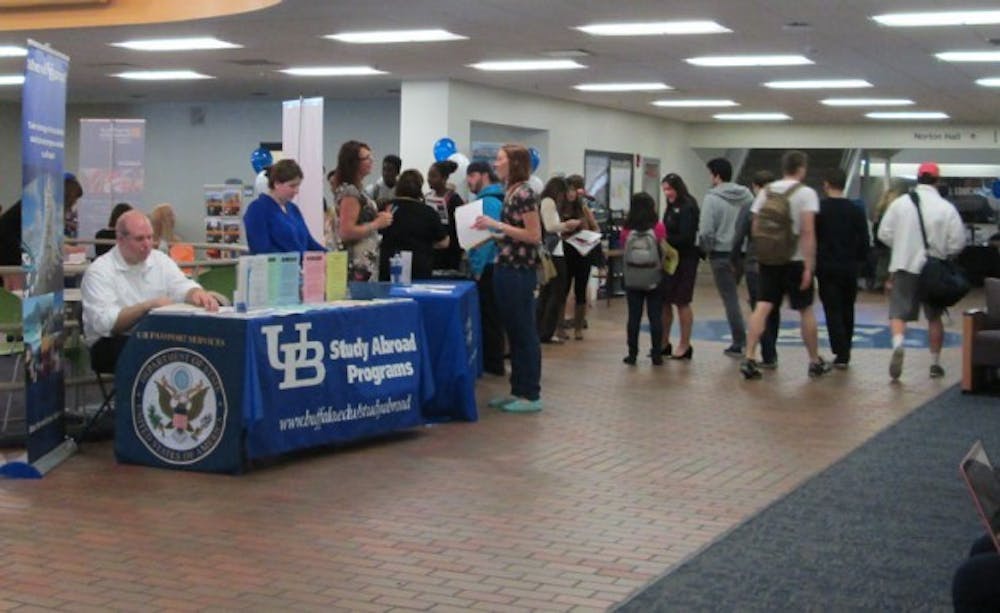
578,271
976,584
838,291
551,298
654,310
104,353
489,315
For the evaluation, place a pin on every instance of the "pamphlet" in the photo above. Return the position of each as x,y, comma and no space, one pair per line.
584,241
336,275
465,216
313,277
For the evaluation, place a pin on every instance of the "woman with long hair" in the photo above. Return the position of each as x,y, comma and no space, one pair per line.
163,219
577,265
358,218
680,218
641,218
552,296
515,277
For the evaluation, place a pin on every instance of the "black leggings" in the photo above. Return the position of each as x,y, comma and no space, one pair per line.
578,270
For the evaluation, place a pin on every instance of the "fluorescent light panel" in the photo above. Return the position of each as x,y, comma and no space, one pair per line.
866,102
819,84
751,117
907,115
11,79
694,103
527,65
161,75
940,18
333,71
654,28
177,44
749,60
622,87
377,37
969,56
989,82
12,51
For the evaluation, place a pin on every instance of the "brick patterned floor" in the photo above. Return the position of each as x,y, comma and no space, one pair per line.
627,472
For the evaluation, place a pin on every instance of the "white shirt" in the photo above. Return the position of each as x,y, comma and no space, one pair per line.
552,223
803,200
900,229
110,284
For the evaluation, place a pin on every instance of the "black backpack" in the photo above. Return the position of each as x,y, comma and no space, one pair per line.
942,282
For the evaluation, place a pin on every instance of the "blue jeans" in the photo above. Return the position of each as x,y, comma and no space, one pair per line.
515,294
725,282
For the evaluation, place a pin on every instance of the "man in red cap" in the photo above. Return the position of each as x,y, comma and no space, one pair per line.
900,229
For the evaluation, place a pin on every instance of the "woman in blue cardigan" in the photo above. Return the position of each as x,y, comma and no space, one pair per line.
273,222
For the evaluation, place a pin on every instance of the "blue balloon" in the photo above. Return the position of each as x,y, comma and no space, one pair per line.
260,158
536,158
444,148
996,188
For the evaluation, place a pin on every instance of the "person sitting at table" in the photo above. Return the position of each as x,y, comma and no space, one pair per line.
274,224
124,284
108,233
415,227
164,220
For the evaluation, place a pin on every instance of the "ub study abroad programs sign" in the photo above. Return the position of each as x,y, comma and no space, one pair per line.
337,375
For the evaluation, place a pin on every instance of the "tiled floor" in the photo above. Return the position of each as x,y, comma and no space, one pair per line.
627,472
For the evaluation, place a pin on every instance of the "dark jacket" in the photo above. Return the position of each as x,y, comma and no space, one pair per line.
842,240
681,221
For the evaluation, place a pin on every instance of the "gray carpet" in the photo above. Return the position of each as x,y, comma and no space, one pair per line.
881,530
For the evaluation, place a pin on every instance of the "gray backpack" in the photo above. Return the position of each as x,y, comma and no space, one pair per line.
643,268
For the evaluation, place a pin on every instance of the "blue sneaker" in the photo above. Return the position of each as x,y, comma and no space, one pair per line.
521,405
500,401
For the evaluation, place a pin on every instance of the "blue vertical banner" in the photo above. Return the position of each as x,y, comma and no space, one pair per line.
43,127
111,169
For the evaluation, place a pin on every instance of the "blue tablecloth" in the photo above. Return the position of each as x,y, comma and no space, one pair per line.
204,392
450,312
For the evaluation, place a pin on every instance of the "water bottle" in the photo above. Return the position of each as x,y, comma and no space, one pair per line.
396,268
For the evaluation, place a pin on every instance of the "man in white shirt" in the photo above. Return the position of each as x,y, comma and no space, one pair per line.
794,278
125,283
900,230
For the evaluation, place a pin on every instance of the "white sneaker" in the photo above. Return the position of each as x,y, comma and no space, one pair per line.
896,363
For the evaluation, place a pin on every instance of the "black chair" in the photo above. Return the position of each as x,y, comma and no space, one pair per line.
103,368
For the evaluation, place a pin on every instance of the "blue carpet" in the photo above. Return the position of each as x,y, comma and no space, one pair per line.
881,530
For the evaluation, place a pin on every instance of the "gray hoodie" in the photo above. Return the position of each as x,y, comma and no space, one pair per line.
719,210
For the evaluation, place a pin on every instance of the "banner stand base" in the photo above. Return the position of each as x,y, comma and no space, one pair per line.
24,470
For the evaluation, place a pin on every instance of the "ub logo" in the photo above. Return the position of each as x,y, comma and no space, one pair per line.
291,358
179,406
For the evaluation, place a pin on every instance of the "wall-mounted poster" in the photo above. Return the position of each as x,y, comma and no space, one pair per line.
223,210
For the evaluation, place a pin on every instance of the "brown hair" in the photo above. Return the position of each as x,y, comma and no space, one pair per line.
283,171
518,163
349,163
410,184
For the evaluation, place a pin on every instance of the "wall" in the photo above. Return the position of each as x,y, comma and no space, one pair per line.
181,157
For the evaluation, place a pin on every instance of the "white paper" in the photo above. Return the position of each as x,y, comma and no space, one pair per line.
465,216
584,241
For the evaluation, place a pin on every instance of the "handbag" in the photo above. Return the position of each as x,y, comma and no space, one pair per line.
942,282
671,257
546,267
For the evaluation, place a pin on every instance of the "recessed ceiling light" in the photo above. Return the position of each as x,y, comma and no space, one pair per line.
694,103
907,115
161,75
941,18
12,51
333,71
749,60
969,56
177,44
377,37
752,117
989,82
622,87
528,65
819,84
866,102
11,79
654,28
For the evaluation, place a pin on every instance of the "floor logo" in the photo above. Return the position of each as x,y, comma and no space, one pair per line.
179,406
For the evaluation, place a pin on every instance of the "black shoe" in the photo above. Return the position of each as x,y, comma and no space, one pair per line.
629,359
841,363
769,364
733,351
657,360
749,370
668,350
687,355
819,368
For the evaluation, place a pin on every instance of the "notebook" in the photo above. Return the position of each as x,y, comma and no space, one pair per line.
984,486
